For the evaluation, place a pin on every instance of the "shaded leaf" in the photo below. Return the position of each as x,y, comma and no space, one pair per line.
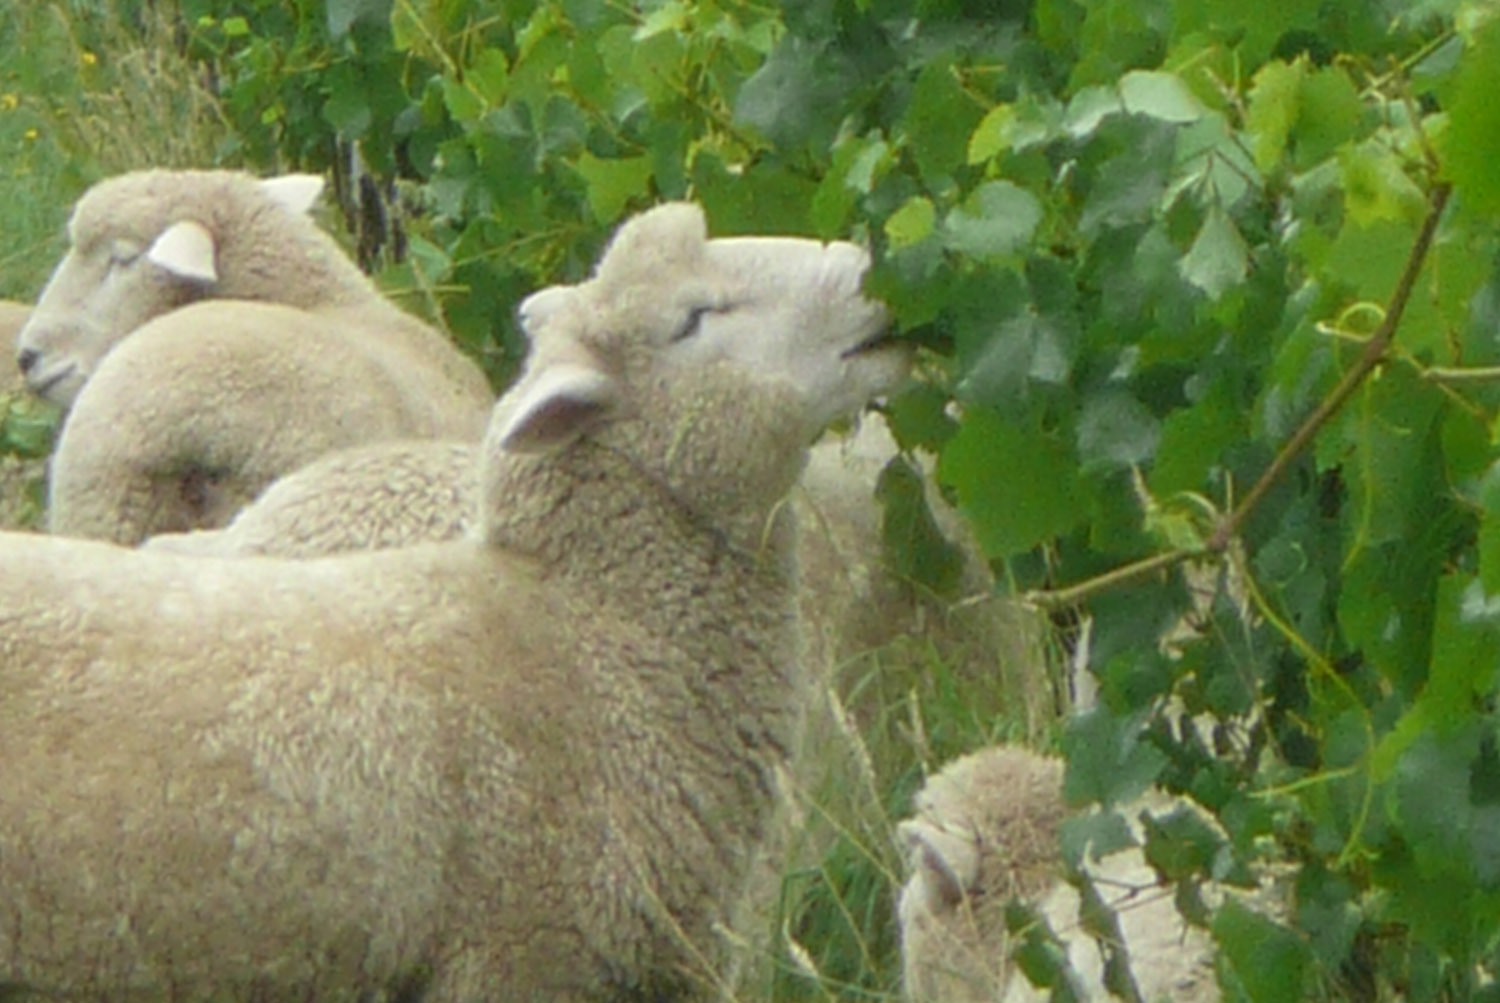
1219,258
1011,514
997,219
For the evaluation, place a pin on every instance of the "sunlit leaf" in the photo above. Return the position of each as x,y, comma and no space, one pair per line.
1160,95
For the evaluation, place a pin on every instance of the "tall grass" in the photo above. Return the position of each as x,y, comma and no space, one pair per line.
89,88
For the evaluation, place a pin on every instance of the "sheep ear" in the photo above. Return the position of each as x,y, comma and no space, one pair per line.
554,406
540,307
948,861
295,192
185,249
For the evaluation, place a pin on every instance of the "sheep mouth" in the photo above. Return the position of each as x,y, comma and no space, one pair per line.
44,384
883,338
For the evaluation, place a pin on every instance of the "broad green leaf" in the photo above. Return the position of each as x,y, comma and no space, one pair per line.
1193,440
1275,103
1011,514
1328,116
787,100
1489,532
671,16
1116,432
1376,186
344,14
1108,760
1088,108
613,184
912,223
1016,126
996,220
488,74
939,121
916,551
1160,95
989,137
1219,257
1260,961
1181,843
463,104
1471,149
1094,835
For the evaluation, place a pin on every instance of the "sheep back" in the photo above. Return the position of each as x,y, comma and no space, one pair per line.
240,393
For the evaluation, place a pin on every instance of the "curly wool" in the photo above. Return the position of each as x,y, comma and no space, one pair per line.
190,394
534,760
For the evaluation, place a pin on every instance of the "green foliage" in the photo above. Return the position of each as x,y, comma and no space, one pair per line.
1146,240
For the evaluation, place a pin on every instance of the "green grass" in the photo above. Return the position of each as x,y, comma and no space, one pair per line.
86,92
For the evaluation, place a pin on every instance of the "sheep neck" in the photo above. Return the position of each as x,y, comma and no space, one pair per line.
303,267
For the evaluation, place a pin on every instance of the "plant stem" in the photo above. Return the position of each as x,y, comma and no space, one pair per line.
1372,355
1050,599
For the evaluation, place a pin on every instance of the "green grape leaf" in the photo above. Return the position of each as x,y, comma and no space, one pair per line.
1107,760
1329,115
1011,514
1160,95
939,121
1219,258
1471,148
913,223
1275,104
613,184
1116,432
997,219
916,551
1260,961
343,15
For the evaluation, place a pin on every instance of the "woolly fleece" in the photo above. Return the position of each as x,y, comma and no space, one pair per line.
200,368
527,764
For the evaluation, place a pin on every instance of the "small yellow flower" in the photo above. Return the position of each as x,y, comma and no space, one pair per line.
88,58
32,134
9,101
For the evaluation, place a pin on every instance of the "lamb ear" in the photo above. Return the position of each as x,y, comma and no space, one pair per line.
553,407
948,860
296,192
185,249
540,307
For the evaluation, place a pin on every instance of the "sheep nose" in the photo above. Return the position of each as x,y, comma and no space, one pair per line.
26,359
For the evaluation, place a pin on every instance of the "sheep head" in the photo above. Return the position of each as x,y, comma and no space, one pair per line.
142,244
985,830
711,363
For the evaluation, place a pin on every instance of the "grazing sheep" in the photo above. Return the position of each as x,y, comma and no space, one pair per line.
527,764
985,830
208,338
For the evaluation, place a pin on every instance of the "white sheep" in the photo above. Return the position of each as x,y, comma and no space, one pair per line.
985,830
528,764
396,493
208,338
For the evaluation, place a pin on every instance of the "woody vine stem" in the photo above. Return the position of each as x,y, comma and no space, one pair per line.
1374,352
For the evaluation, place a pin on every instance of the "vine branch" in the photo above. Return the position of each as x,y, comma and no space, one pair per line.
1374,351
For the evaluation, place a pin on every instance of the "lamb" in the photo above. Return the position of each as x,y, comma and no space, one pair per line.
525,764
208,337
985,830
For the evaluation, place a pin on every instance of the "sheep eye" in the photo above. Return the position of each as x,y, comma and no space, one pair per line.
123,254
694,320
